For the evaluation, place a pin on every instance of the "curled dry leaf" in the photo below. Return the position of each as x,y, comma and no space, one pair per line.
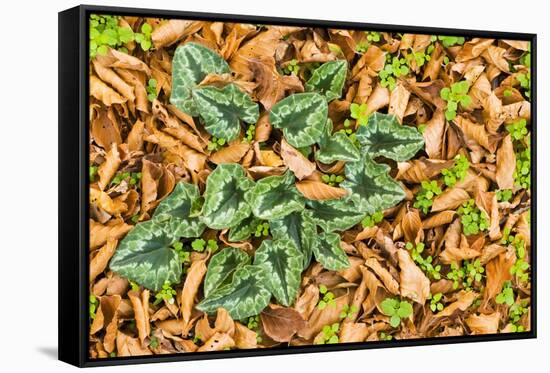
109,167
413,282
230,154
319,191
281,323
169,32
190,288
296,161
506,164
218,342
244,337
353,332
412,226
100,234
463,300
483,324
450,199
101,259
140,304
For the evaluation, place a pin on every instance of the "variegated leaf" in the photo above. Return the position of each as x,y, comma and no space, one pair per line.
283,263
384,136
247,295
145,256
336,147
335,215
372,188
274,197
222,110
244,229
328,79
222,266
298,227
329,253
224,203
301,116
180,211
190,65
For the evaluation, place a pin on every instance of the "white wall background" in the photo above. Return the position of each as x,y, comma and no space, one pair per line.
28,184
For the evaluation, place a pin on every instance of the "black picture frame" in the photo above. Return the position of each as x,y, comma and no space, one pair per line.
73,246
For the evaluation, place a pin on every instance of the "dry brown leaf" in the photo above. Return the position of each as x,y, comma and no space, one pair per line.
506,164
281,323
483,324
218,342
244,337
353,332
399,99
271,159
101,259
320,318
190,288
230,154
135,136
387,279
305,304
450,199
100,234
439,219
140,304
473,49
108,169
105,129
498,272
464,299
169,32
319,191
296,161
104,93
433,134
411,225
413,282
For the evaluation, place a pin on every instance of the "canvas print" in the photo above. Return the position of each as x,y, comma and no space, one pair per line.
256,186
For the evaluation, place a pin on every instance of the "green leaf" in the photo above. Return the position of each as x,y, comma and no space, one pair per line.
244,229
395,321
222,266
329,253
405,309
144,256
336,147
372,188
338,214
386,137
298,227
301,116
389,306
190,65
328,79
222,109
283,263
273,197
224,203
181,209
247,295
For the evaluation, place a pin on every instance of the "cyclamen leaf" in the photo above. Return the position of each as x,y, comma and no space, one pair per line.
190,65
298,227
384,136
222,109
329,253
180,211
336,147
224,204
328,79
244,229
222,266
301,116
273,197
283,263
371,187
145,256
335,215
247,295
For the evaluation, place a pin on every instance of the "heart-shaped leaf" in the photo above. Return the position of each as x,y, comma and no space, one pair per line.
283,263
180,211
222,266
336,147
335,215
244,229
372,188
298,227
145,256
328,79
384,136
274,197
222,110
329,253
301,116
190,65
247,295
224,203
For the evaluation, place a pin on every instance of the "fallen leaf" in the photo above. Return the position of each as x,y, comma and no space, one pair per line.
281,323
319,191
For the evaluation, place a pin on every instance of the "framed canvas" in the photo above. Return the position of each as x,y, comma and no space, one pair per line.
233,186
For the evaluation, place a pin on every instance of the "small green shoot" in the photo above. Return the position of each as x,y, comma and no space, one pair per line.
332,179
504,195
436,302
391,71
396,310
506,296
328,298
132,178
348,312
524,80
472,218
154,342
457,94
329,335
94,303
359,113
456,173
522,173
293,67
151,89
371,220
250,133
426,264
144,38
262,229
166,293
449,41
518,129
93,173
215,143
424,198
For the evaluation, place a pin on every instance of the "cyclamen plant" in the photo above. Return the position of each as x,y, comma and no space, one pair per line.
290,231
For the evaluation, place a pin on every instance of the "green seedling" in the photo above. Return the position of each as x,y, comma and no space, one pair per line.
362,47
373,36
385,337
504,195
426,264
524,80
328,298
467,274
472,218
332,179
396,310
262,229
391,71
456,173
93,173
424,198
449,41
105,33
166,293
293,67
518,129
457,94
371,220
250,133
151,89
154,342
94,303
348,312
200,244
215,143
144,38
515,313
253,323
436,303
522,173
185,256
132,178
506,296
520,266
359,113
330,334
134,286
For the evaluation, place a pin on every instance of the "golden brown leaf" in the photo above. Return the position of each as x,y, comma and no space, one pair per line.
169,32
104,93
218,342
281,323
450,199
100,234
108,169
230,154
190,288
413,282
463,301
101,259
296,161
483,324
319,191
140,304
506,164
